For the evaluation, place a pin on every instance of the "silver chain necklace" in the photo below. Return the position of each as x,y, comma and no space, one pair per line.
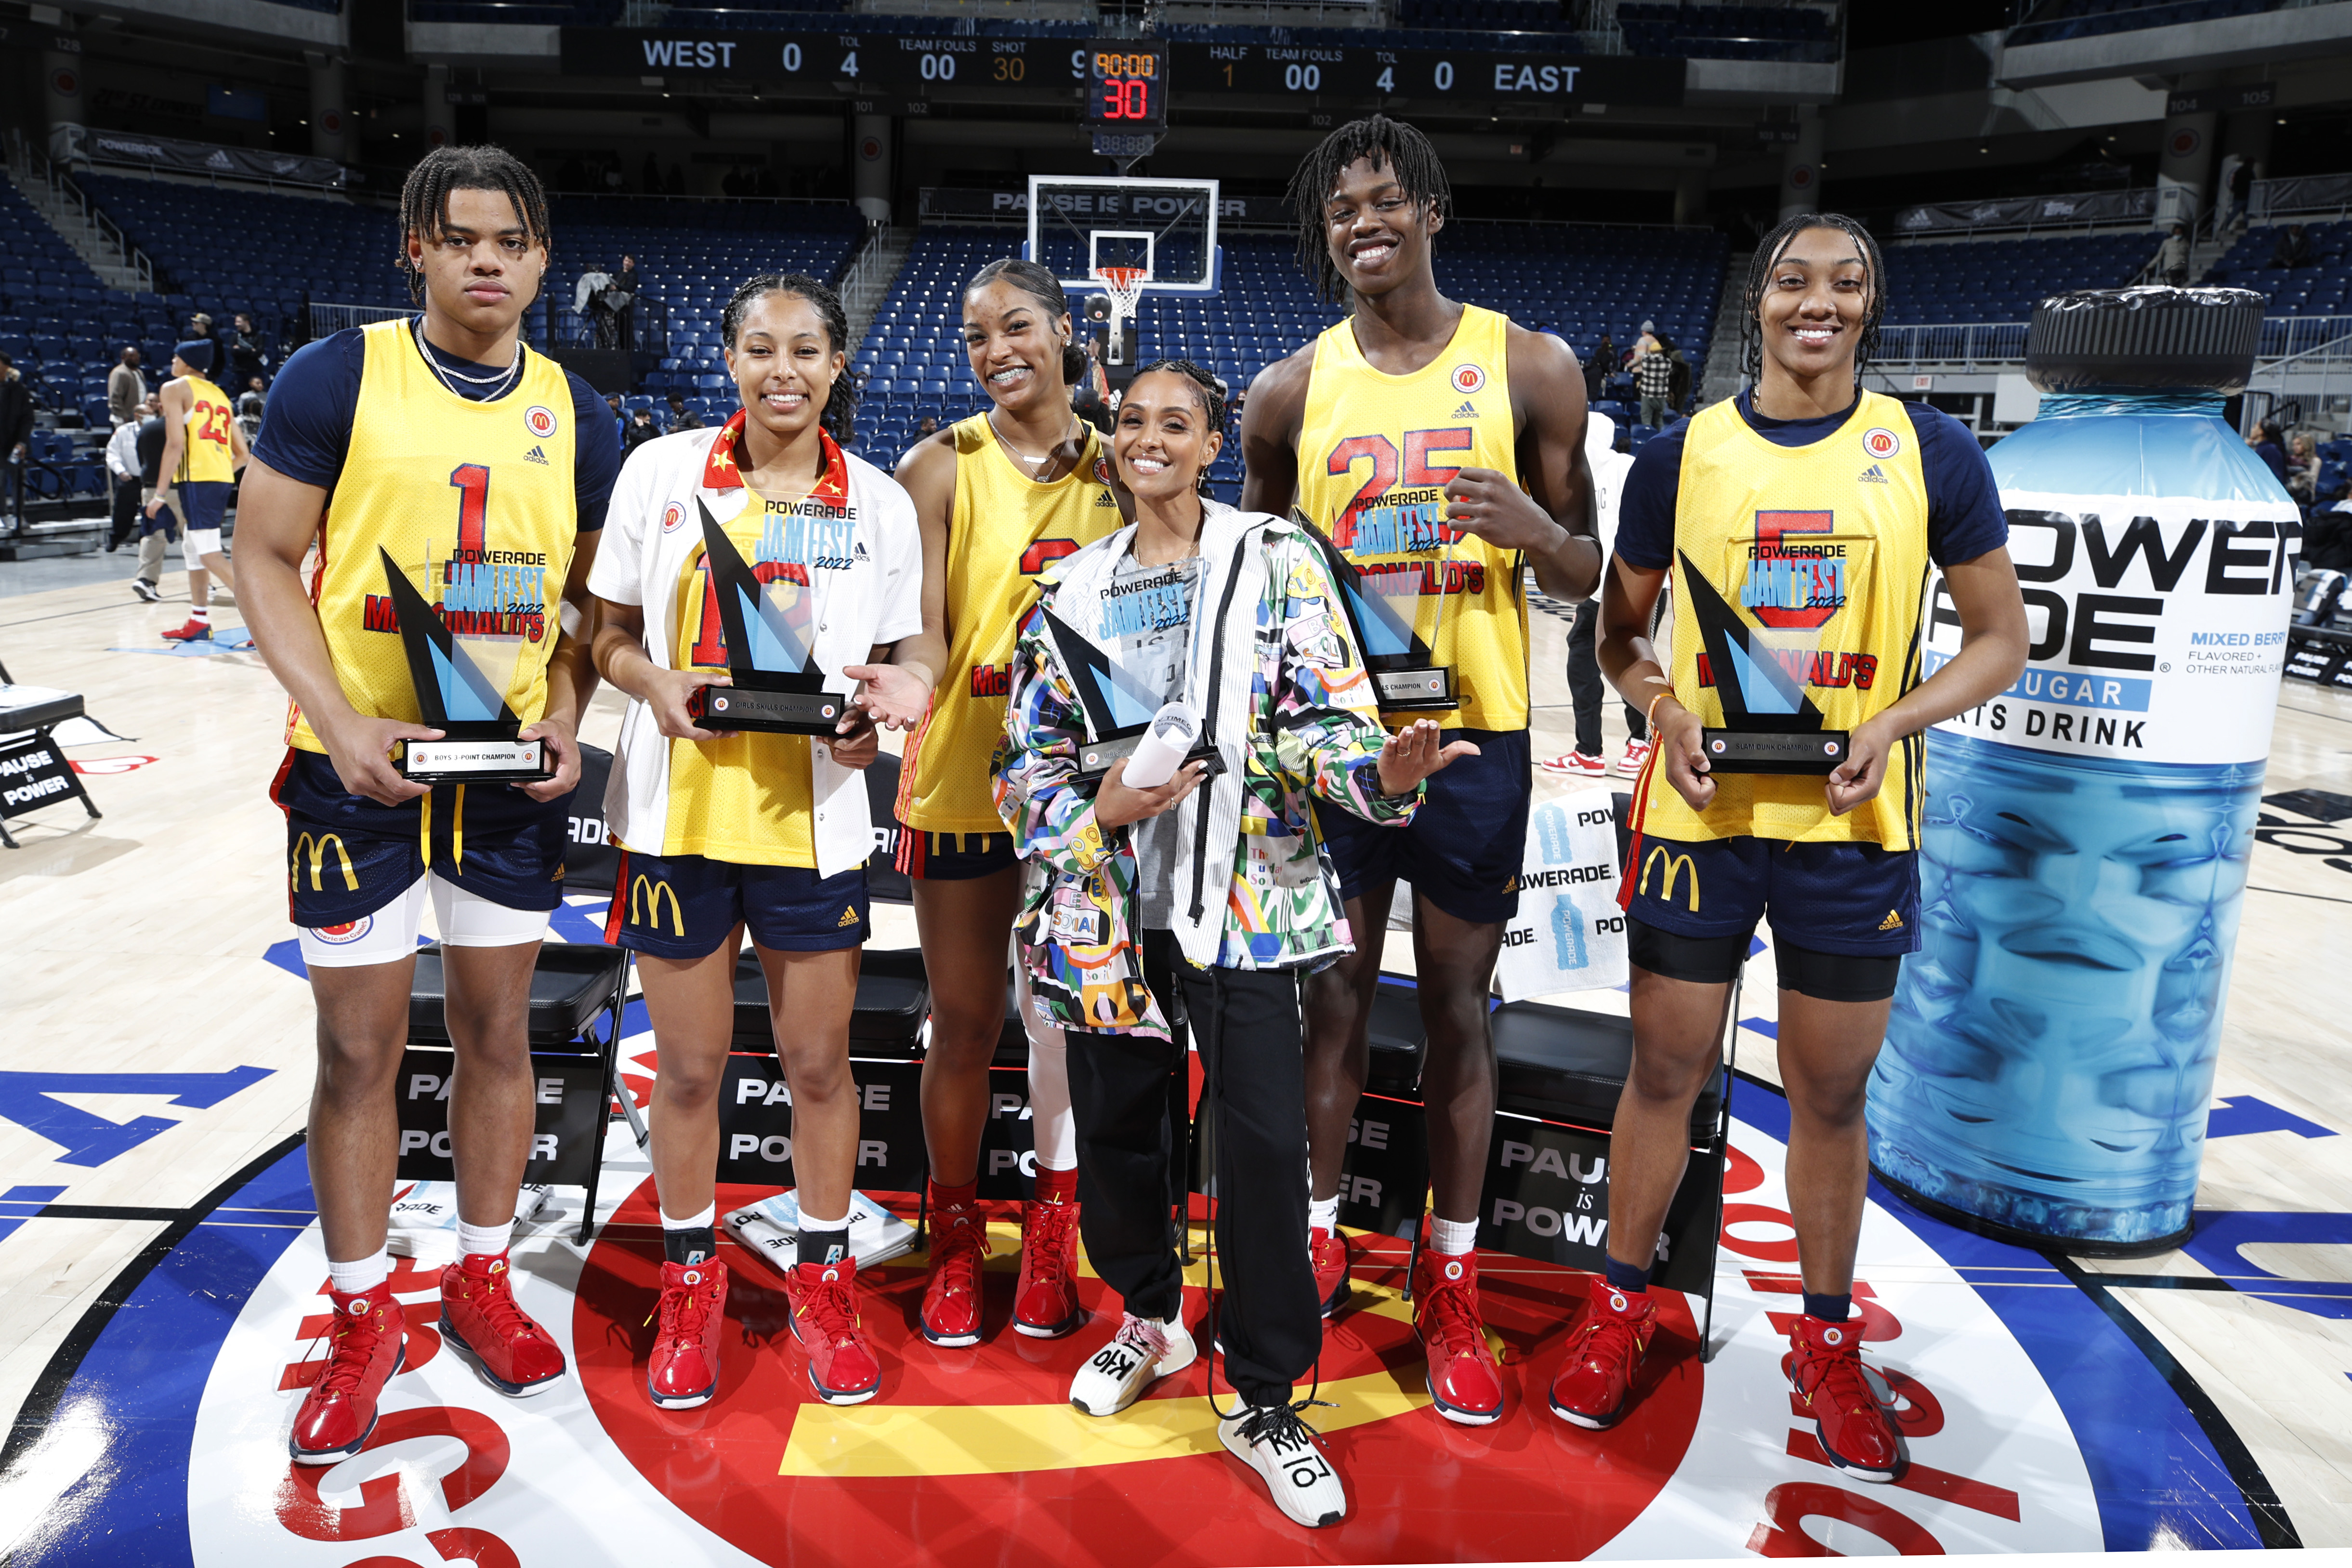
1037,465
449,378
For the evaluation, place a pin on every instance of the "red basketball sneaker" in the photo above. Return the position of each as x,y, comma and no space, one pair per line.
1596,1382
950,1314
194,631
842,1367
1327,1251
683,1370
1463,1377
369,1343
479,1318
1824,1362
1045,1304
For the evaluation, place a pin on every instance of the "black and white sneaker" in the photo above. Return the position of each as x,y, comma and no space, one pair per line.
145,590
1144,1351
1272,1440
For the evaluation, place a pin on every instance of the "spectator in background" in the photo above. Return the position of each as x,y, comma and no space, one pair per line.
249,407
1653,373
122,466
1678,389
16,435
249,351
928,427
126,389
639,430
2303,467
628,283
591,302
153,531
620,415
1646,344
681,417
2264,441
2294,248
1596,371
2171,262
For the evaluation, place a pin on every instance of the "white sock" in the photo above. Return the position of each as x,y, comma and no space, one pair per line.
1451,1237
810,1221
200,613
1323,1213
366,1274
483,1240
703,1221
1052,1127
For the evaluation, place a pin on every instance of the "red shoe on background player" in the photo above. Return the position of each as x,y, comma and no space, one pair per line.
368,1343
950,1314
1594,1387
479,1318
1824,1364
1045,1303
682,1372
1463,1377
1327,1251
842,1368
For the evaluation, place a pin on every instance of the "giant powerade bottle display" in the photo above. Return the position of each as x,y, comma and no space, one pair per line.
2049,1064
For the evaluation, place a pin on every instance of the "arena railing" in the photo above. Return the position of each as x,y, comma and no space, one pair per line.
2308,196
2305,342
36,165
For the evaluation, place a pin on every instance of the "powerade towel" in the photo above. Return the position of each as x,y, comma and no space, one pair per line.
2050,1061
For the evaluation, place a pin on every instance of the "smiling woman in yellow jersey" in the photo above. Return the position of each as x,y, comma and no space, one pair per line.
999,495
722,832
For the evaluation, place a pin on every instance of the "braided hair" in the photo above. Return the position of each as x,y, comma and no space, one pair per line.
839,419
1768,252
425,198
1207,391
1409,157
1036,280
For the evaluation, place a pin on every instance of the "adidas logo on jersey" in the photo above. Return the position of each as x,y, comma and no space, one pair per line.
1872,475
848,916
535,456
1104,499
1892,923
1468,410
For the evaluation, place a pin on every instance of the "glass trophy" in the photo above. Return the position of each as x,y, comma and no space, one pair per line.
778,688
461,677
1383,605
1119,712
1759,676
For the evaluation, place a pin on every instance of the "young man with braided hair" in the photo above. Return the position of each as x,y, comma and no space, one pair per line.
1418,404
1800,516
479,472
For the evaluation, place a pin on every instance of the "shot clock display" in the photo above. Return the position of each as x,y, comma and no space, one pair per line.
1126,84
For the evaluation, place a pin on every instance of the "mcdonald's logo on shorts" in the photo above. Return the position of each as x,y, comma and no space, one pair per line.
1675,866
316,849
647,912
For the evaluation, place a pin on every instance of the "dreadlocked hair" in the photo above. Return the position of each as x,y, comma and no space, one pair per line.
1038,282
1768,252
1408,156
425,198
1207,391
839,419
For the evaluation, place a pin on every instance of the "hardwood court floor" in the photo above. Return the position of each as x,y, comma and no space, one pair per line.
151,1049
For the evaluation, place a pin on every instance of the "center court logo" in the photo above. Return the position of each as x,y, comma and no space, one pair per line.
1880,442
1468,378
541,419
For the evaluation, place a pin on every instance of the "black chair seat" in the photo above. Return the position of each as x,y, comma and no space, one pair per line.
893,998
1398,1040
570,985
1564,1064
17,712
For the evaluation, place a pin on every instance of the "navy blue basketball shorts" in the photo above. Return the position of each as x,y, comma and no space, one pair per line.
684,905
1464,848
955,856
1842,914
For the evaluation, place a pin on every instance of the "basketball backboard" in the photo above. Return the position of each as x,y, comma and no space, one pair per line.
1080,225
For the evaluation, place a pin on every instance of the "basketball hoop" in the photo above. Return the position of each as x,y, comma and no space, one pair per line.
1125,287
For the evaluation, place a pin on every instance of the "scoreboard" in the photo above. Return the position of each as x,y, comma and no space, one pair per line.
1125,83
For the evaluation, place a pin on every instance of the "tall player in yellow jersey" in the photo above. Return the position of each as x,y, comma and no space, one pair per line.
1798,520
999,495
481,471
1418,406
202,450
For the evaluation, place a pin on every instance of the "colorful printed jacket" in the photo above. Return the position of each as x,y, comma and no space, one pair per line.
1282,694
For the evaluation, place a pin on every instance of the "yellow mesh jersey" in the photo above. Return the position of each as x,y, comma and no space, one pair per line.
1813,559
1005,528
1375,454
206,459
746,801
475,502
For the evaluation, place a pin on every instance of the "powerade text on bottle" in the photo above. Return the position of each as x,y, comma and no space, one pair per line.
2049,1064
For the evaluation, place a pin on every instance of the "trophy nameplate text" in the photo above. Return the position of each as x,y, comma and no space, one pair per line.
480,736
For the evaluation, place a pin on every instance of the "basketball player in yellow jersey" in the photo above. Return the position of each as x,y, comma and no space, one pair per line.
1798,520
1416,405
202,450
998,495
480,472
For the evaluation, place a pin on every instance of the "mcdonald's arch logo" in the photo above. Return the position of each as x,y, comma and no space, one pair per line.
1675,866
649,912
316,849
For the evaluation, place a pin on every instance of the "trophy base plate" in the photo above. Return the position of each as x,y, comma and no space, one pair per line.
473,761
1095,758
1773,751
1429,690
750,709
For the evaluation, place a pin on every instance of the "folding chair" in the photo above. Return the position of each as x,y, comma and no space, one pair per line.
34,771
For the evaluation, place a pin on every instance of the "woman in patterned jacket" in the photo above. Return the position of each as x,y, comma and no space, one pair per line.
1209,894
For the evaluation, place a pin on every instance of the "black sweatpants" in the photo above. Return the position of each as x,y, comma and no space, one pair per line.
1253,1056
1585,687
